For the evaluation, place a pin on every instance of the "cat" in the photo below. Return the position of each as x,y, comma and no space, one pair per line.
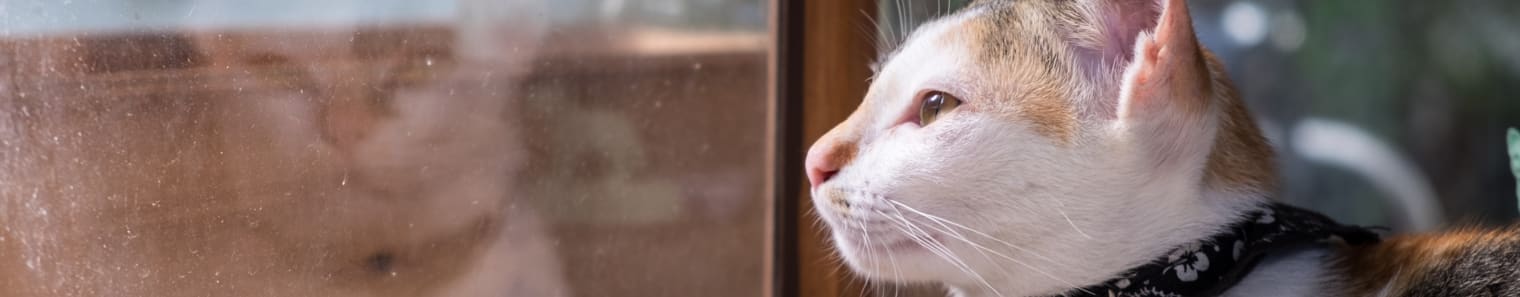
363,162
1095,148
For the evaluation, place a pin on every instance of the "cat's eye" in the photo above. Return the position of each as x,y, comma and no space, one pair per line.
935,104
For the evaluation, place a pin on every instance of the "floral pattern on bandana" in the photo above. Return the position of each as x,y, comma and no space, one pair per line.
1187,261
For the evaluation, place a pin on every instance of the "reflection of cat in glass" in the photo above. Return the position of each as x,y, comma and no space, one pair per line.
375,162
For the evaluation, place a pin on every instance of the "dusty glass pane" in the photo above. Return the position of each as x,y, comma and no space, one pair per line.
383,148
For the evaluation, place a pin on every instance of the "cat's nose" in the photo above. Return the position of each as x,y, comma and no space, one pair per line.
825,159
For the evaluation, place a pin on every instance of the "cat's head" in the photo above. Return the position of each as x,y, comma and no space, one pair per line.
1038,145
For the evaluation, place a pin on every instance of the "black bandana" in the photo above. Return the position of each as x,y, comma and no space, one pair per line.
1210,267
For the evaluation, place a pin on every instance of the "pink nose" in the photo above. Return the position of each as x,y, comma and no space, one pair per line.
825,159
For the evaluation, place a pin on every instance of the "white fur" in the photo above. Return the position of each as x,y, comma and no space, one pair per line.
1301,273
1047,216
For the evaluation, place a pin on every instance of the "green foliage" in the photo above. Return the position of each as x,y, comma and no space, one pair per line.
1514,157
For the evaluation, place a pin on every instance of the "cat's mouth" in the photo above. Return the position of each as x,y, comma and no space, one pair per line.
871,223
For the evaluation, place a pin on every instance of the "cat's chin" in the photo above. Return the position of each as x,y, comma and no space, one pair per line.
894,259
893,245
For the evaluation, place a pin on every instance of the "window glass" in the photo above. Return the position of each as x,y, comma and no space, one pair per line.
383,148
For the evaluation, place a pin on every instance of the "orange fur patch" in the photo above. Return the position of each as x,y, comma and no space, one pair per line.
1242,157
1026,61
844,152
1018,43
1400,263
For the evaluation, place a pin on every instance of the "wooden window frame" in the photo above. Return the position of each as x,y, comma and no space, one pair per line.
820,71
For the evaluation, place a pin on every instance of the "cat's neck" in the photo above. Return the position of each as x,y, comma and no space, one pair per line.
1159,218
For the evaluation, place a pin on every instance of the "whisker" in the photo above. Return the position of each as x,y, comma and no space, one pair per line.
927,241
1060,208
896,274
908,21
962,238
958,225
981,248
896,271
900,26
870,253
957,235
880,37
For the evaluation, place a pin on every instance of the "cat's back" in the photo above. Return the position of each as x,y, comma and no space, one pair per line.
1466,262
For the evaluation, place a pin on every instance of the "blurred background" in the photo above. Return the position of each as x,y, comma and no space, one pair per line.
1386,113
384,148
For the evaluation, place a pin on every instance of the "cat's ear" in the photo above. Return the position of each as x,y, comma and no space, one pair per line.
1166,93
1104,32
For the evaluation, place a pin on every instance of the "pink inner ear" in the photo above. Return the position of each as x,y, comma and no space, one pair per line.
1104,42
1122,23
1168,66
